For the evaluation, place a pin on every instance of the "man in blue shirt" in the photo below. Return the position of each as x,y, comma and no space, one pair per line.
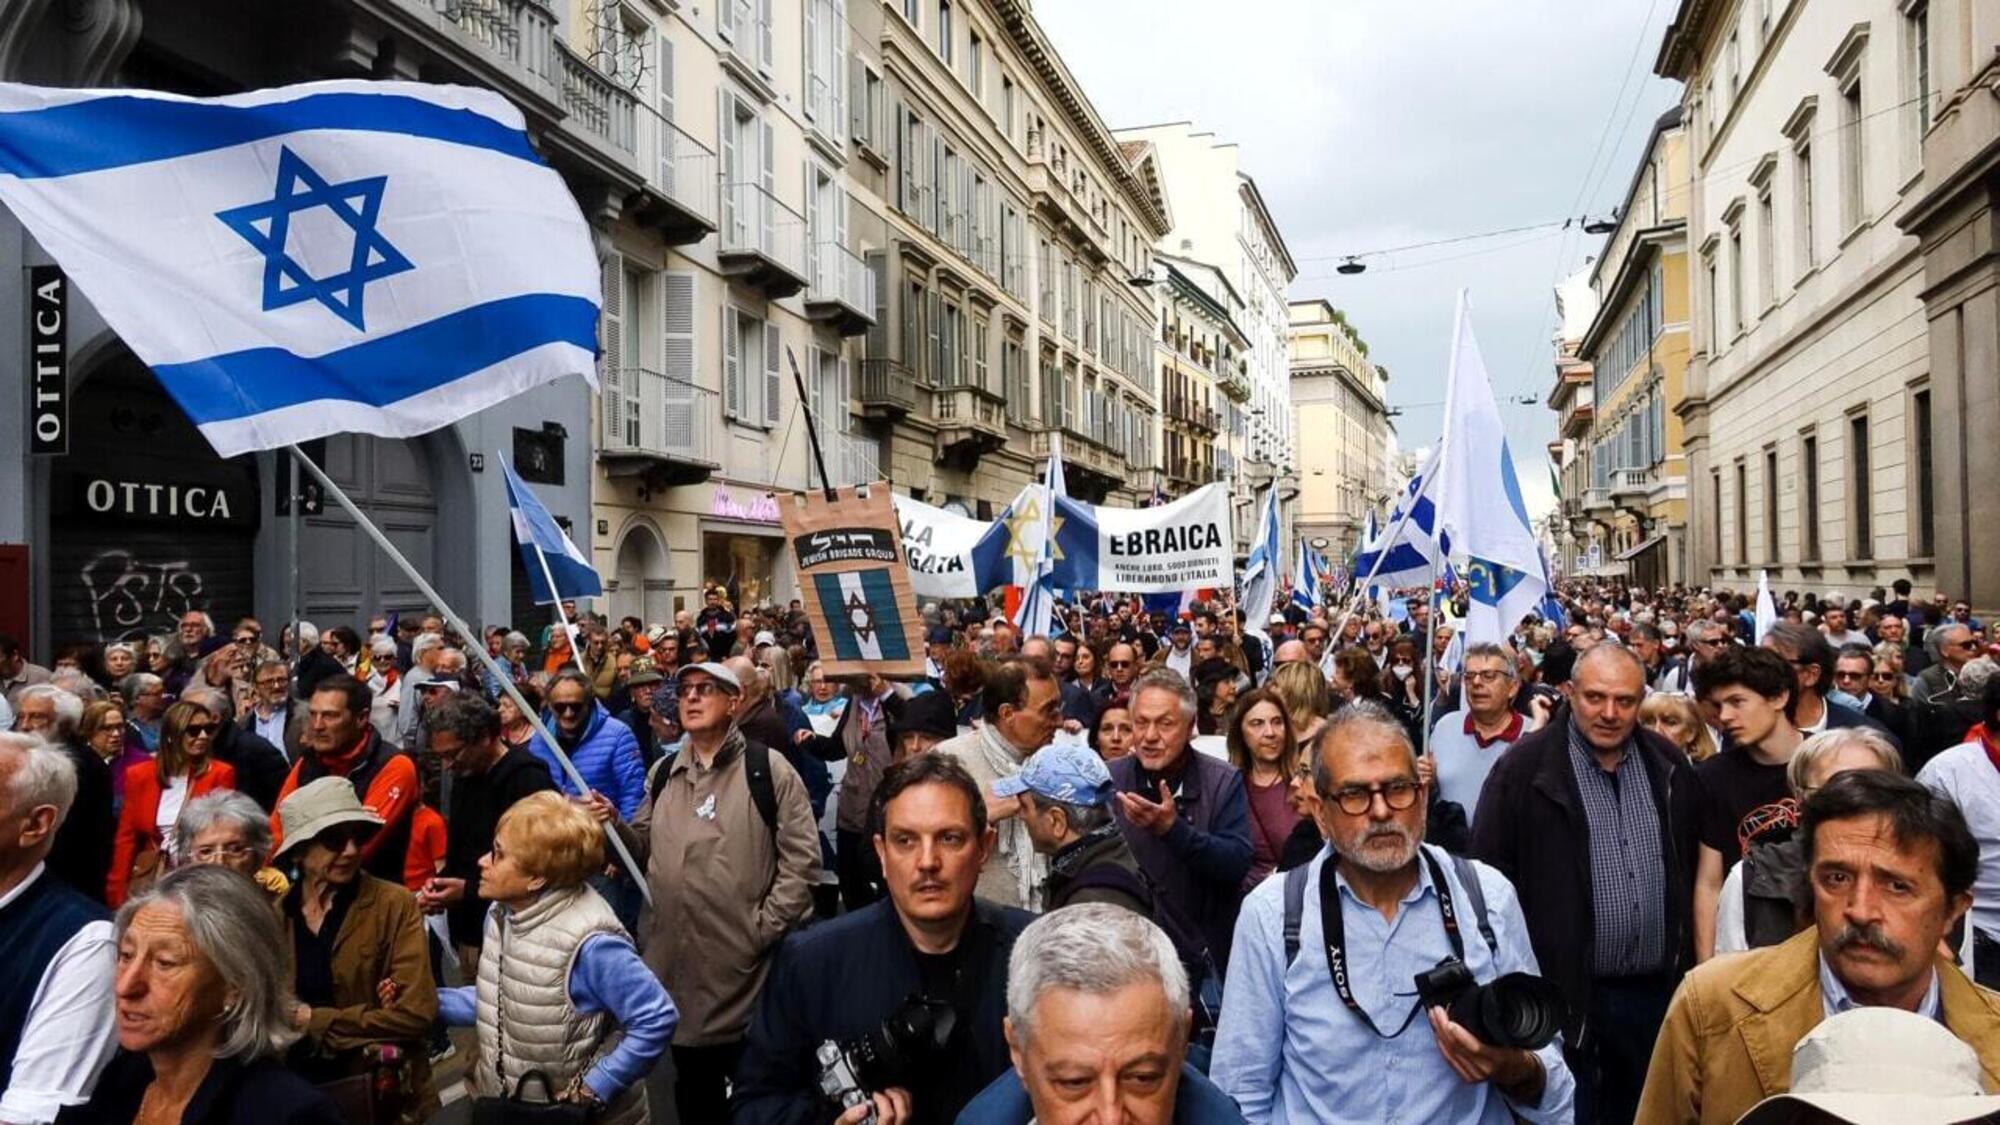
1366,1052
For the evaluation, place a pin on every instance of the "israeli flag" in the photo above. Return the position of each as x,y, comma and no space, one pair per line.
1260,569
1407,551
546,551
1307,578
1480,508
870,625
351,256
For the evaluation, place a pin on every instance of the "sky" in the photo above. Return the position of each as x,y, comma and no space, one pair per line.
1371,125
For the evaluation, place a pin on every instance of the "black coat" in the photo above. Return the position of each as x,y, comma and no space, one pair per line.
232,1093
1530,825
81,854
260,767
838,980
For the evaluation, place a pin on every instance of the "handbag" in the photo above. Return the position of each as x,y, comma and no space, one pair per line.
147,867
514,1109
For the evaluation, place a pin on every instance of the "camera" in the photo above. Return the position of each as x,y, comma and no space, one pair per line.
1517,1010
909,1039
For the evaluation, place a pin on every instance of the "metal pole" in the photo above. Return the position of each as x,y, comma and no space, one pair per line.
812,428
296,508
1430,644
477,647
1395,533
562,619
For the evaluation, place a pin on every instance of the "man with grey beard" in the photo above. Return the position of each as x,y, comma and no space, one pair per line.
1341,1043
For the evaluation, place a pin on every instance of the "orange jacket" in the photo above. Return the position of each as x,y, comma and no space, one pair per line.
136,825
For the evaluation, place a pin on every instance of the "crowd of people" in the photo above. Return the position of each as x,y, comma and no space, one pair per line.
1656,859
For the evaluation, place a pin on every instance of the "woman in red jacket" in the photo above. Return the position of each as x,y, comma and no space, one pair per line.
155,791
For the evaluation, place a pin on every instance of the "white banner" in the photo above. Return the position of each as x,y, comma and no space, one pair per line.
1185,545
938,547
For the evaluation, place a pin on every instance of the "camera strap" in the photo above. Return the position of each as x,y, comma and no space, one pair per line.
1336,937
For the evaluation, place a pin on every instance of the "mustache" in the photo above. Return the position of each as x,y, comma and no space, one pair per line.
1867,935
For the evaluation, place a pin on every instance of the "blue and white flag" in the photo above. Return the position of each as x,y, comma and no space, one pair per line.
1306,580
350,256
1480,506
1260,569
1408,551
1038,593
543,543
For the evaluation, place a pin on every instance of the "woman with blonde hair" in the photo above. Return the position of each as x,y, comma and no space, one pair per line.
1303,692
1677,718
561,990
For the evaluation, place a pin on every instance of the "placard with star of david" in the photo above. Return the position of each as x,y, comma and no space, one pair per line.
854,583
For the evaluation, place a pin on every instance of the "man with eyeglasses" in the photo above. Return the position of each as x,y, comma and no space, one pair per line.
1121,666
1319,1022
1951,647
729,880
271,713
1813,666
1314,638
1465,743
1592,818
603,749
1857,687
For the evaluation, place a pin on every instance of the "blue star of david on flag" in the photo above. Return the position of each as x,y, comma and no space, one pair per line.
1490,581
267,225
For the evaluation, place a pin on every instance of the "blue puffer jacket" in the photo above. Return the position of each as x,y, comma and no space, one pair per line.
1197,1102
605,754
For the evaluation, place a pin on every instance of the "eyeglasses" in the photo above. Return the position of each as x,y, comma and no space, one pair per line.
247,639
1486,675
199,730
1118,664
1354,800
209,853
567,708
696,689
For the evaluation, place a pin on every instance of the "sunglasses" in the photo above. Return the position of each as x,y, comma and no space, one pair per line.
199,730
567,708
247,639
696,689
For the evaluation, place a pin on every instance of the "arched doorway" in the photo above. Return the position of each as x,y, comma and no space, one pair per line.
645,585
146,523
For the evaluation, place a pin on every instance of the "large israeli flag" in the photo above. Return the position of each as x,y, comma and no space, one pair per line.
546,550
352,256
1480,508
1407,551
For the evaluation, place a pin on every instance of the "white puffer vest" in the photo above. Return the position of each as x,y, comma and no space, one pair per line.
525,1017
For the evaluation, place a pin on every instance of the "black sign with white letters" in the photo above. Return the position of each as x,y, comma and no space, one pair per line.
48,361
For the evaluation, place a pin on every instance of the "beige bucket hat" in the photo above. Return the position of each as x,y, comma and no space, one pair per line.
317,806
1880,1066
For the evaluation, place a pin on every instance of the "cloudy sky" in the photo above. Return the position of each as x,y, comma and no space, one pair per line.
1370,125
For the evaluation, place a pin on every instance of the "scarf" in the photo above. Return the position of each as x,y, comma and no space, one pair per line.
1015,848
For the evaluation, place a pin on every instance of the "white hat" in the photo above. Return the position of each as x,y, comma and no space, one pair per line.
764,637
1880,1066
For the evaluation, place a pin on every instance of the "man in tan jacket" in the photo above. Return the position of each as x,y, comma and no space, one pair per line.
1023,703
727,881
1890,867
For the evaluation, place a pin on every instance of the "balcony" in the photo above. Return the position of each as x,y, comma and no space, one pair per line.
1596,500
843,290
763,241
888,389
1234,384
683,187
1050,192
606,113
656,428
860,459
970,424
1090,470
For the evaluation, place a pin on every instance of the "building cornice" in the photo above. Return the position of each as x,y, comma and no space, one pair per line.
1646,245
1680,48
1255,198
1034,45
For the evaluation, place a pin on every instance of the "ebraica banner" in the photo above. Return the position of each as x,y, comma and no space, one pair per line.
855,586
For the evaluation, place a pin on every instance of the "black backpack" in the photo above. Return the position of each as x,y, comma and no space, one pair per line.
756,772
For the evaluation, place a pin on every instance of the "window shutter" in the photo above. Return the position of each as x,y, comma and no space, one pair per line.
766,25
812,61
836,76
814,235
677,357
844,394
878,333
772,344
767,150
732,363
725,19
857,98
732,217
816,386
610,380
934,365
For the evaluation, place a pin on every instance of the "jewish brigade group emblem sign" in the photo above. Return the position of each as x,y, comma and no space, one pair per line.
854,582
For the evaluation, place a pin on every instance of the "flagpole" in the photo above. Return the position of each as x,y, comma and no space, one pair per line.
476,646
1430,647
1395,533
812,430
562,619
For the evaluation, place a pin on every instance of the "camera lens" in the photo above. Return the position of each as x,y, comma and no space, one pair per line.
1518,1010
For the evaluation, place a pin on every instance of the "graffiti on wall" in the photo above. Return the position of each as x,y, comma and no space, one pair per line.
132,597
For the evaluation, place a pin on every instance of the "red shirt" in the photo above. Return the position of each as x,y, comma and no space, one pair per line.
426,854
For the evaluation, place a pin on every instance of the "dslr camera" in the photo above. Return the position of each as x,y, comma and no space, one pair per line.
913,1035
1517,1010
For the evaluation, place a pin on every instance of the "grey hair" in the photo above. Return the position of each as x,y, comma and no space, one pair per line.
1934,640
133,685
78,683
45,776
129,650
229,919
452,656
308,634
1826,742
423,644
224,806
1972,678
213,700
69,708
383,647
1495,652
1094,948
1358,716
1083,819
514,640
1168,680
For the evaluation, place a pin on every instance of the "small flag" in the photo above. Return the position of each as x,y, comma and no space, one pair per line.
869,624
1406,552
543,543
335,257
1767,606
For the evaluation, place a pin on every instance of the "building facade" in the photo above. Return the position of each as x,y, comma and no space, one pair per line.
133,520
1573,399
1808,411
1635,349
1338,397
1202,365
1219,217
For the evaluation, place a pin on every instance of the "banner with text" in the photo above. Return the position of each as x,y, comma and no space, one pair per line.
944,551
857,593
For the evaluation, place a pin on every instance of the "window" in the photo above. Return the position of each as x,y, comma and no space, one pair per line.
1742,515
750,383
913,11
865,109
1736,319
981,336
1853,157
1714,298
975,66
1926,482
1733,59
1809,496
915,332
945,31
1767,249
1715,508
1007,106
1802,205
1859,488
1917,26
1771,506
826,58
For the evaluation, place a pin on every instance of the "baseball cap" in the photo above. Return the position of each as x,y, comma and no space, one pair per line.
1063,772
1180,625
764,637
719,673
938,636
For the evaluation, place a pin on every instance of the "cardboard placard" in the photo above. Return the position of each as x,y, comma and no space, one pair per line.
855,583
